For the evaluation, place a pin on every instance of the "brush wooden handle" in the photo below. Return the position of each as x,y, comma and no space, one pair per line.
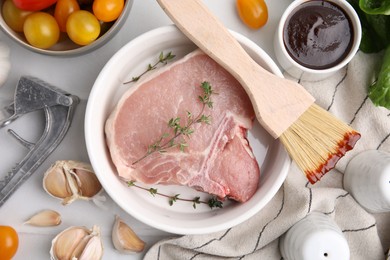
277,102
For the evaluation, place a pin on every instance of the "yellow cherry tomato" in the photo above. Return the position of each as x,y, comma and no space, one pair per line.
41,30
63,9
82,27
13,16
254,13
107,10
9,242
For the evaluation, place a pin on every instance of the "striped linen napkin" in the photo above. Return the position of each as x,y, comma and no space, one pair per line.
368,235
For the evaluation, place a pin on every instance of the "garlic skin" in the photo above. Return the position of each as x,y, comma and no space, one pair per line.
77,243
5,64
125,240
45,218
71,180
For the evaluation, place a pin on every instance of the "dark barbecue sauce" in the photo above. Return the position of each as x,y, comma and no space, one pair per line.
318,34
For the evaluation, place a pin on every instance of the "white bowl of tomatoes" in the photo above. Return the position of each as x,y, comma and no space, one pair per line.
63,27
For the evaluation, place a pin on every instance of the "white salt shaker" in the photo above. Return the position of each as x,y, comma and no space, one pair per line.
317,237
367,178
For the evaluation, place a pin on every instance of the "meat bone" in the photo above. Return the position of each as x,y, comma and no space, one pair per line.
277,102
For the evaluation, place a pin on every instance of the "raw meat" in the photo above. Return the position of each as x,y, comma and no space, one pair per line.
218,159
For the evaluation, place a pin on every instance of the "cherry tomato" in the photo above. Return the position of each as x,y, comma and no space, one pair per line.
41,30
254,13
107,10
82,27
9,242
63,9
13,16
33,5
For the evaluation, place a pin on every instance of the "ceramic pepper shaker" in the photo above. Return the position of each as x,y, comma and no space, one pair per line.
316,236
367,178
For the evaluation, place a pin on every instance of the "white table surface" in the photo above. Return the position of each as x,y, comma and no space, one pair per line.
76,75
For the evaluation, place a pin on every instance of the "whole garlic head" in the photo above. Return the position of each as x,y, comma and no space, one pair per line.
71,180
77,243
5,64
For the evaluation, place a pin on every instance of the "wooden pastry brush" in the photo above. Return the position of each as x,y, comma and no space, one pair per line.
314,138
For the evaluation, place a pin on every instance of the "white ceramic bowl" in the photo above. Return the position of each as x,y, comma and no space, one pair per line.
297,70
181,218
65,47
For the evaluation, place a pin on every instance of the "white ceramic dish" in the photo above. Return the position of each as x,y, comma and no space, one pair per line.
181,218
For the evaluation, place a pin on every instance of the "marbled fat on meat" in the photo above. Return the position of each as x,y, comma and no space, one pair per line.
218,159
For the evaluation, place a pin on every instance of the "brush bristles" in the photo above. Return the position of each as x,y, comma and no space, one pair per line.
317,140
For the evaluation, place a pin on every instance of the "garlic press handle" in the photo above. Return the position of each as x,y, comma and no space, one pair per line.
32,94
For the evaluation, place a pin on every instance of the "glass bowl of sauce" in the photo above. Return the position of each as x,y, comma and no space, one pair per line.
316,38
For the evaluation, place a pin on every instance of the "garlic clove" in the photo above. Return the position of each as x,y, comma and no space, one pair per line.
93,250
77,243
125,240
45,218
55,182
78,250
89,184
71,180
65,243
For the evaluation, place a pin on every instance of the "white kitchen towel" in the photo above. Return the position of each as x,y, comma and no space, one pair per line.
344,95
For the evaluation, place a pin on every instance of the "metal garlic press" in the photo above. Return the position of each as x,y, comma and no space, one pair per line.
33,94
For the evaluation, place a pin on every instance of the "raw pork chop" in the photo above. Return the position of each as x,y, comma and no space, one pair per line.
218,159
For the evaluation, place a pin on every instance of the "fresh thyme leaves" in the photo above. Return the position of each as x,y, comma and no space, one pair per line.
213,202
180,133
163,59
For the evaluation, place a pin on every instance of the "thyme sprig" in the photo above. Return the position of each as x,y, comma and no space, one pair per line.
163,143
163,59
213,202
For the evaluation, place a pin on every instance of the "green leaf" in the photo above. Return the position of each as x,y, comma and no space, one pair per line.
182,146
381,25
195,201
153,191
206,88
375,6
170,56
130,183
204,119
189,115
161,57
173,199
379,92
215,203
375,30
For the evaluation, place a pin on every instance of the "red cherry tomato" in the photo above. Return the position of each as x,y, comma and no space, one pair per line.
9,242
63,9
107,10
14,16
254,13
33,5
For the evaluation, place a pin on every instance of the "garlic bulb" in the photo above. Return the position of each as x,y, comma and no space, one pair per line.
125,240
45,218
5,64
77,243
71,180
